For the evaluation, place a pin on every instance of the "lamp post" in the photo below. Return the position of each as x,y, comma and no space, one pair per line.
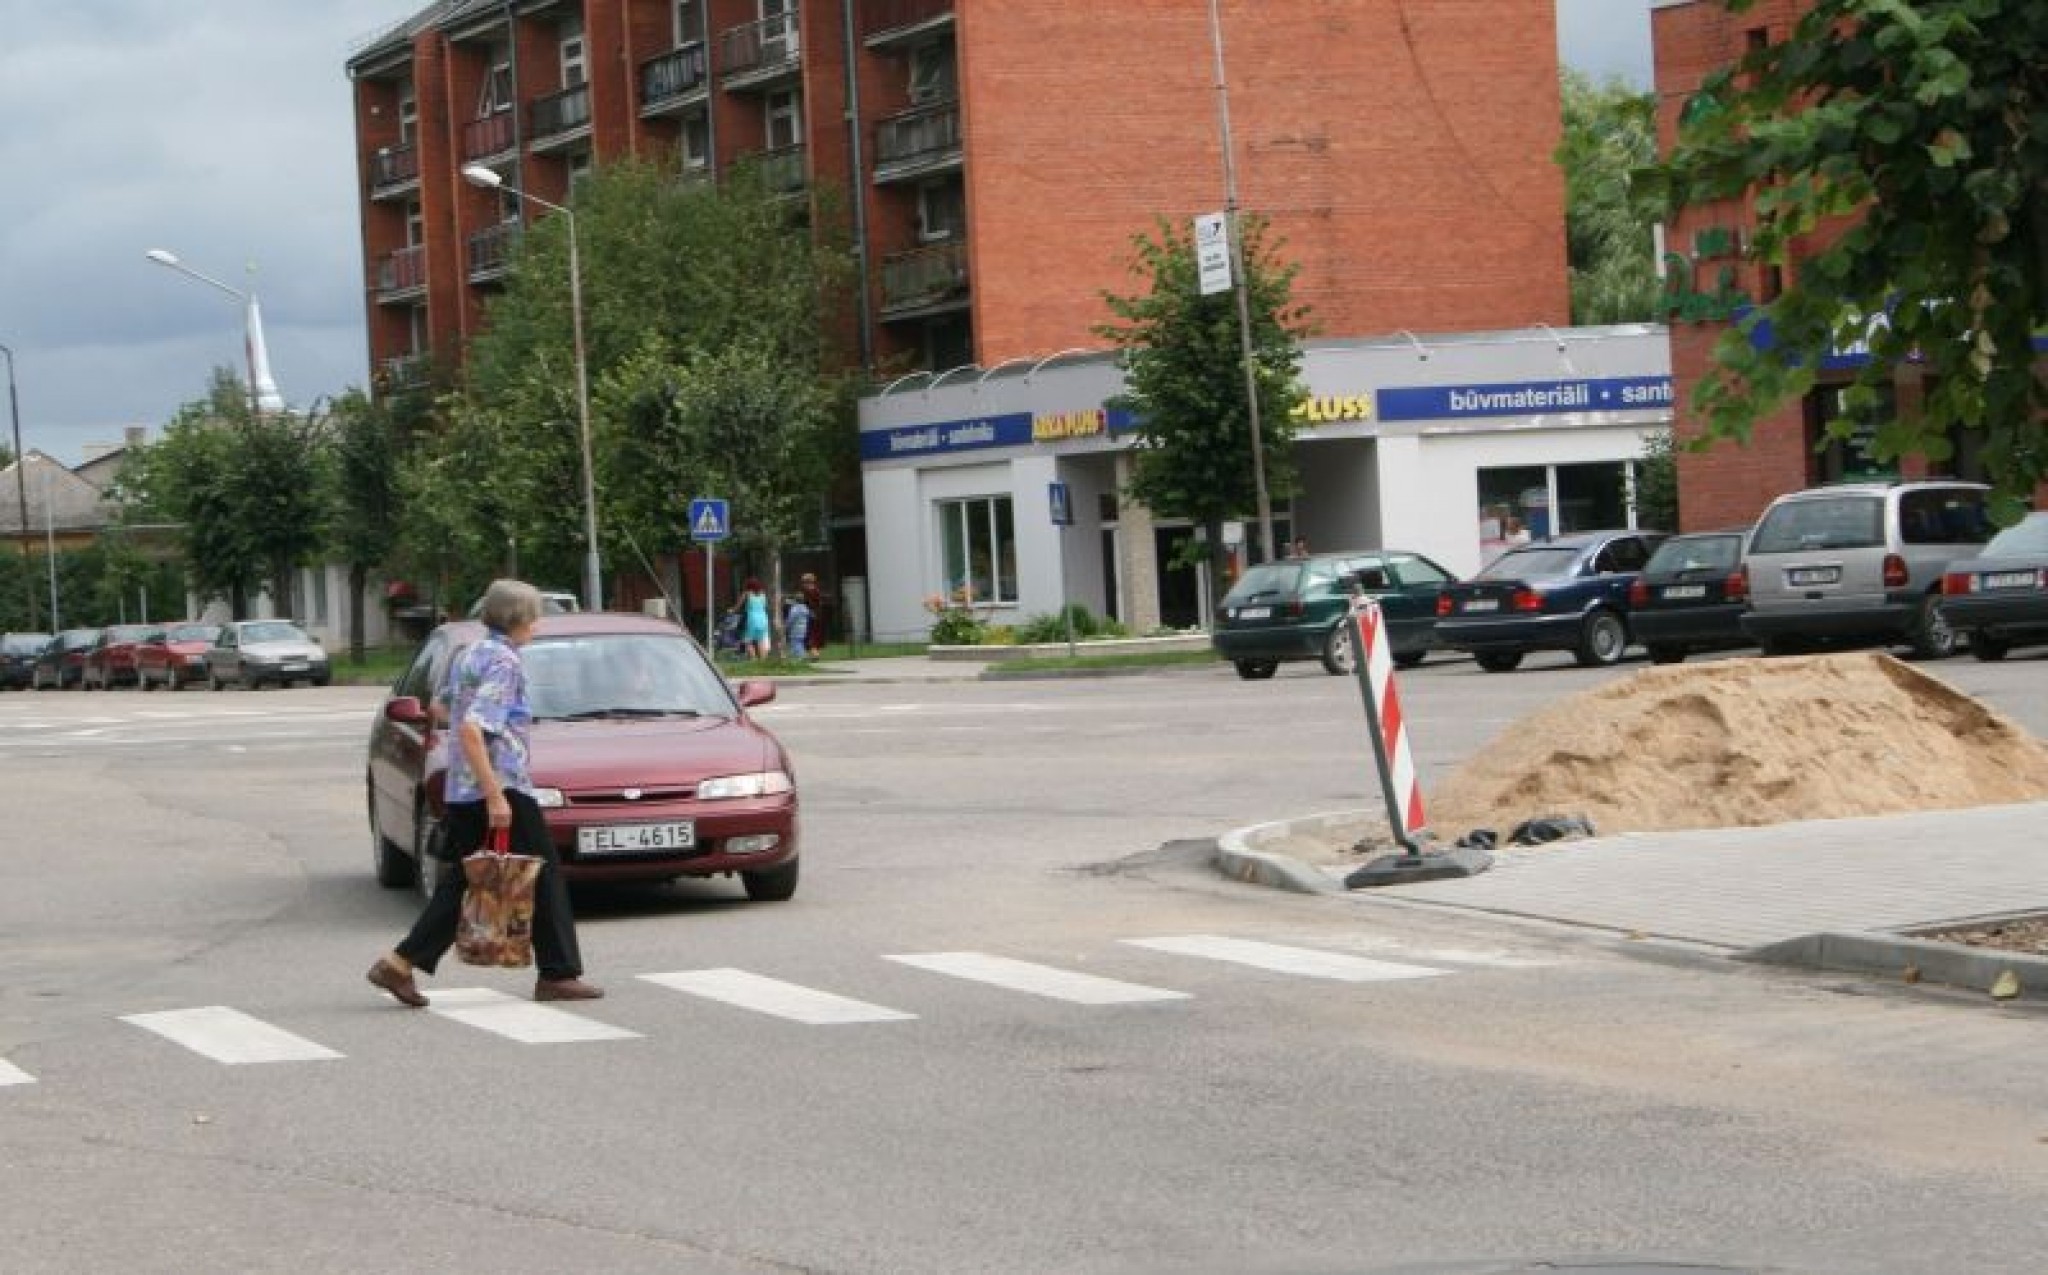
20,485
489,179
263,395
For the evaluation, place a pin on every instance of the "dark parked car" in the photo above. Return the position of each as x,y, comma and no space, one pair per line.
1999,599
18,653
1289,610
176,658
62,662
1691,596
647,764
1567,593
251,653
111,662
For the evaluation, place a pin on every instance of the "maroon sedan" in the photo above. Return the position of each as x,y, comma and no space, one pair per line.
645,761
176,658
111,661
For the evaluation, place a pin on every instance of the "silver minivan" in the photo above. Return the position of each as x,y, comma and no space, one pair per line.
1860,562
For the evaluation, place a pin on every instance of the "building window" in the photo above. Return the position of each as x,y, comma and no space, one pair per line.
785,117
575,67
1845,452
496,93
415,224
418,340
689,22
931,73
978,541
579,166
778,31
941,211
1525,502
696,141
408,114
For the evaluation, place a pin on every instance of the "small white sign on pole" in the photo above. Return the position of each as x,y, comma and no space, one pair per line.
1212,252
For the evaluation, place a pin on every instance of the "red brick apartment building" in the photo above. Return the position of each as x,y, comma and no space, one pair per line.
1711,274
998,155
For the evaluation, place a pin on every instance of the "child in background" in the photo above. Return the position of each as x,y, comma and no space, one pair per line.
796,628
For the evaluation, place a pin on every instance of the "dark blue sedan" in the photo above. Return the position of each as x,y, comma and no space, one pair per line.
1567,593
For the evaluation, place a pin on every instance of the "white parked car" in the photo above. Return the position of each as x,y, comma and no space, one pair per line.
252,653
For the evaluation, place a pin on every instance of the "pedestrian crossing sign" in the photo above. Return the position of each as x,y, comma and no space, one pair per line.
709,520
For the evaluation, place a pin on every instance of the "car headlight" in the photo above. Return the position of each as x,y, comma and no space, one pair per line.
549,798
767,783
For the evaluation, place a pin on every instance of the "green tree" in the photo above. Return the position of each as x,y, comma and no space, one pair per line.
1610,131
710,316
1657,483
1923,126
1183,363
364,505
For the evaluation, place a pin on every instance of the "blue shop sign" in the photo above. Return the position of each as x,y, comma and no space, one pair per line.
1009,429
1525,398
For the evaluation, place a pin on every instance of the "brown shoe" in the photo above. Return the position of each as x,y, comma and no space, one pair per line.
397,982
565,989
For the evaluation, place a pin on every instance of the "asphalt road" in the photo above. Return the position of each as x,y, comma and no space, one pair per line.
1386,1086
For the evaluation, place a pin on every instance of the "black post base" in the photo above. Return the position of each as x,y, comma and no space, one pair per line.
1424,865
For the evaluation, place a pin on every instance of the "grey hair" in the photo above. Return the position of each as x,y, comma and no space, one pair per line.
509,604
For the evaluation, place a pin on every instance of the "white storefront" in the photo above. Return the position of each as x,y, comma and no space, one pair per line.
1436,444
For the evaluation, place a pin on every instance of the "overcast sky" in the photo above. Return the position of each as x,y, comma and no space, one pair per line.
221,131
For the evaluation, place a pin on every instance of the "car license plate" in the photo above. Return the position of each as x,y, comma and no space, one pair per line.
2010,579
1685,591
1255,613
1800,576
1481,604
637,838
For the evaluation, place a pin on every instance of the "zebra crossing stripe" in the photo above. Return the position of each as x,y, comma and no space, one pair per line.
1306,962
13,1075
773,996
230,1036
1038,980
521,1020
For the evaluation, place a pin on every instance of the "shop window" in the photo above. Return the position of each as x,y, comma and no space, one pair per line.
1848,456
1525,502
978,544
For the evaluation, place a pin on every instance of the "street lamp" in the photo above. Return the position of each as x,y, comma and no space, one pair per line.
263,395
21,485
489,179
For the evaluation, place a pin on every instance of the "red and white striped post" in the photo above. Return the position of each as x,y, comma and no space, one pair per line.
1374,663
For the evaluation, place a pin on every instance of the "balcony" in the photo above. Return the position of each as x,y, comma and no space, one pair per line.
560,118
892,22
759,54
782,171
402,275
924,281
675,80
394,171
490,137
405,372
490,251
918,143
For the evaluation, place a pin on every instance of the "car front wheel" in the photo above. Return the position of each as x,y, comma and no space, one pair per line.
772,885
1257,670
1339,650
1499,661
1932,638
1602,640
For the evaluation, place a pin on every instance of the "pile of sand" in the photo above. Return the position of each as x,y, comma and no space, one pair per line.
1746,742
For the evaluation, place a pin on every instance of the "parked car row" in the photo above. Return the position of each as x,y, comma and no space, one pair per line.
251,653
1912,563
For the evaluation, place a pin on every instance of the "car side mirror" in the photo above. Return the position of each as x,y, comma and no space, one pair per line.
755,691
406,710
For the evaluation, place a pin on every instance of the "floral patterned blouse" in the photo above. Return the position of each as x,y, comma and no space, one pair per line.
487,685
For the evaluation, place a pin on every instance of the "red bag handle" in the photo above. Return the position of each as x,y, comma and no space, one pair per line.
499,841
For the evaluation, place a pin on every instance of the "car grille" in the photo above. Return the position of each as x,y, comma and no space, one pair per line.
587,797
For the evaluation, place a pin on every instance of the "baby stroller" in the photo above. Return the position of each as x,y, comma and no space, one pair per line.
727,640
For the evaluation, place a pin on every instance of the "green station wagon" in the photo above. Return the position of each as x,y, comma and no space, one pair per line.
1289,610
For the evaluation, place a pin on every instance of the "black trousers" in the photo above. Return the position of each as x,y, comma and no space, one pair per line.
554,926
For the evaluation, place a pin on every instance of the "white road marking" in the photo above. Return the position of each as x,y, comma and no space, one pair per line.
13,1075
773,996
230,1036
1307,962
1038,980
520,1020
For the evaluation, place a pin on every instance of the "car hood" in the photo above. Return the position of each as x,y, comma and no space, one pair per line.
284,650
661,753
198,646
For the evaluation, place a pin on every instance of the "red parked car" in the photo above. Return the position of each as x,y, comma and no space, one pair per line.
111,661
176,657
646,762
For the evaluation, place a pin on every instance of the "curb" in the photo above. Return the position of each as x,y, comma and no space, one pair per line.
1908,959
1239,857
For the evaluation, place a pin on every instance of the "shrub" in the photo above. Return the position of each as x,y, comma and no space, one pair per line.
1052,627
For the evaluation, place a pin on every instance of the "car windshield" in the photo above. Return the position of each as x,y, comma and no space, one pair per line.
623,675
1696,553
1267,580
1537,562
273,631
1833,522
193,632
2024,539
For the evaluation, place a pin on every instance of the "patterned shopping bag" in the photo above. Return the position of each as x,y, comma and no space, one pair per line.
497,905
